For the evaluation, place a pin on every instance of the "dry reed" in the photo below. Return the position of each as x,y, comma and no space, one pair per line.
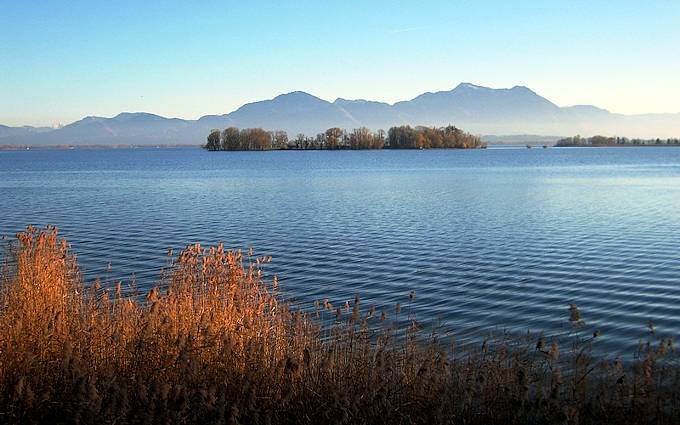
214,344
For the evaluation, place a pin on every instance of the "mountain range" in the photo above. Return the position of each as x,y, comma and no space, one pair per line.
476,109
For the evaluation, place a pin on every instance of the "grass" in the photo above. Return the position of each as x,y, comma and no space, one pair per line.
213,343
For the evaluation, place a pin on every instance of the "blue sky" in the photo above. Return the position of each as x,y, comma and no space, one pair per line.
60,61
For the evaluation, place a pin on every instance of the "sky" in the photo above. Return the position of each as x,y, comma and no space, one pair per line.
63,60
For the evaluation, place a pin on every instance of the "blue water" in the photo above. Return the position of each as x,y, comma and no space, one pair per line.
488,239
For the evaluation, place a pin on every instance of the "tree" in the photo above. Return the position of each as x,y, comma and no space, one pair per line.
602,140
231,139
361,138
344,140
402,137
380,138
280,139
255,139
213,141
320,141
300,141
333,136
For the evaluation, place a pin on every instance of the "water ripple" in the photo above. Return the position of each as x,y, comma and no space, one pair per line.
496,239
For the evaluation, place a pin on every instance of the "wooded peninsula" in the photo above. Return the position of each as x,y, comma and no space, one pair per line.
402,137
614,141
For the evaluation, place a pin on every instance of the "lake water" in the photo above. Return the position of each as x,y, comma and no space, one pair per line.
488,239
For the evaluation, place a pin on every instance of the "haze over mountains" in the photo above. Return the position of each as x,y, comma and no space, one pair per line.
480,110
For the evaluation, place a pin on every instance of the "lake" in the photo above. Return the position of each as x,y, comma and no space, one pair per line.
489,239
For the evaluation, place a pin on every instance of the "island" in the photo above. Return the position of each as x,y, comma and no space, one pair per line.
400,137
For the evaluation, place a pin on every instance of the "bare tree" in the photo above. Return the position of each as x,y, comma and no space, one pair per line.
213,141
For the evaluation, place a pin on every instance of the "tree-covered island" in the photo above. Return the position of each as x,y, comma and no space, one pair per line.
401,137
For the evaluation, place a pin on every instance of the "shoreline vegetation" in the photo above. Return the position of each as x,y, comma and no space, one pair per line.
405,137
215,343
604,141
402,137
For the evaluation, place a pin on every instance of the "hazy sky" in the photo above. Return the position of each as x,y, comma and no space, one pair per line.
60,61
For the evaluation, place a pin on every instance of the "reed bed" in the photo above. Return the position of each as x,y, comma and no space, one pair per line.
214,343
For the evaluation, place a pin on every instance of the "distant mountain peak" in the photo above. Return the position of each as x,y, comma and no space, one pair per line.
343,101
139,114
126,116
475,87
523,89
470,86
297,95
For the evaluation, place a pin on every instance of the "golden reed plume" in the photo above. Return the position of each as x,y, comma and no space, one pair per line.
213,343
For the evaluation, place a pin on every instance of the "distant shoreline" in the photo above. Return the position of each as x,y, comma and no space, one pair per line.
604,141
187,146
618,146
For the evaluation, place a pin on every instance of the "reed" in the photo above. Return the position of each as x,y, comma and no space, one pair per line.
213,343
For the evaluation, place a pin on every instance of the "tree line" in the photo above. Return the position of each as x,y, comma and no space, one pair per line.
401,137
614,141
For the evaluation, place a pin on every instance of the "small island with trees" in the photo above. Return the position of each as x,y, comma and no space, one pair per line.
401,137
604,141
